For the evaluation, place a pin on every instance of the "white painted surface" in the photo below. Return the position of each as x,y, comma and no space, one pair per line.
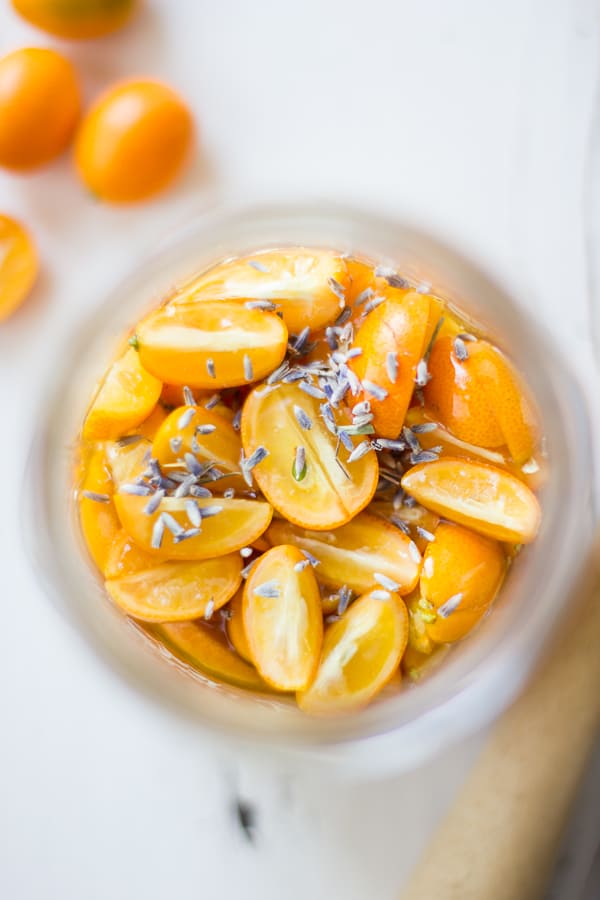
470,118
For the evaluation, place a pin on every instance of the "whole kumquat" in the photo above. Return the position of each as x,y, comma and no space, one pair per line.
39,107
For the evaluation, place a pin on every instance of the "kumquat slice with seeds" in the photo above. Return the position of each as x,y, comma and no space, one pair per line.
309,476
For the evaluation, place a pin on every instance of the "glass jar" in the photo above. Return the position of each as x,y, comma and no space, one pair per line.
480,675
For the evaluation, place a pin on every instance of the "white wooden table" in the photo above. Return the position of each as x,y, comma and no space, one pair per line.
470,118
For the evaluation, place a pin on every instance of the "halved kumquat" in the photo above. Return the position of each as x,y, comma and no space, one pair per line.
211,345
18,265
480,398
393,338
307,475
225,525
176,591
487,499
307,286
125,398
206,434
461,575
283,622
361,652
356,553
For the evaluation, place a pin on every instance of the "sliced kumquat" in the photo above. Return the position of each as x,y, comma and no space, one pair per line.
508,399
487,499
479,397
307,286
235,627
355,554
171,533
204,648
534,473
461,575
307,475
126,558
176,591
393,338
97,514
211,345
205,434
19,265
282,618
125,398
361,652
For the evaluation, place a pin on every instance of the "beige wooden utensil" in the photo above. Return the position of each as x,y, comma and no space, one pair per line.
500,839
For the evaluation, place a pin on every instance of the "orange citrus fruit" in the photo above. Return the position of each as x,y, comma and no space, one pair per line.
306,286
487,499
39,107
283,622
18,265
307,475
211,345
206,434
75,20
176,591
225,525
360,654
126,397
355,554
393,338
461,575
133,141
480,399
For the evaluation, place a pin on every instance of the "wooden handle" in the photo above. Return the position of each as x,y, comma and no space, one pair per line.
500,839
